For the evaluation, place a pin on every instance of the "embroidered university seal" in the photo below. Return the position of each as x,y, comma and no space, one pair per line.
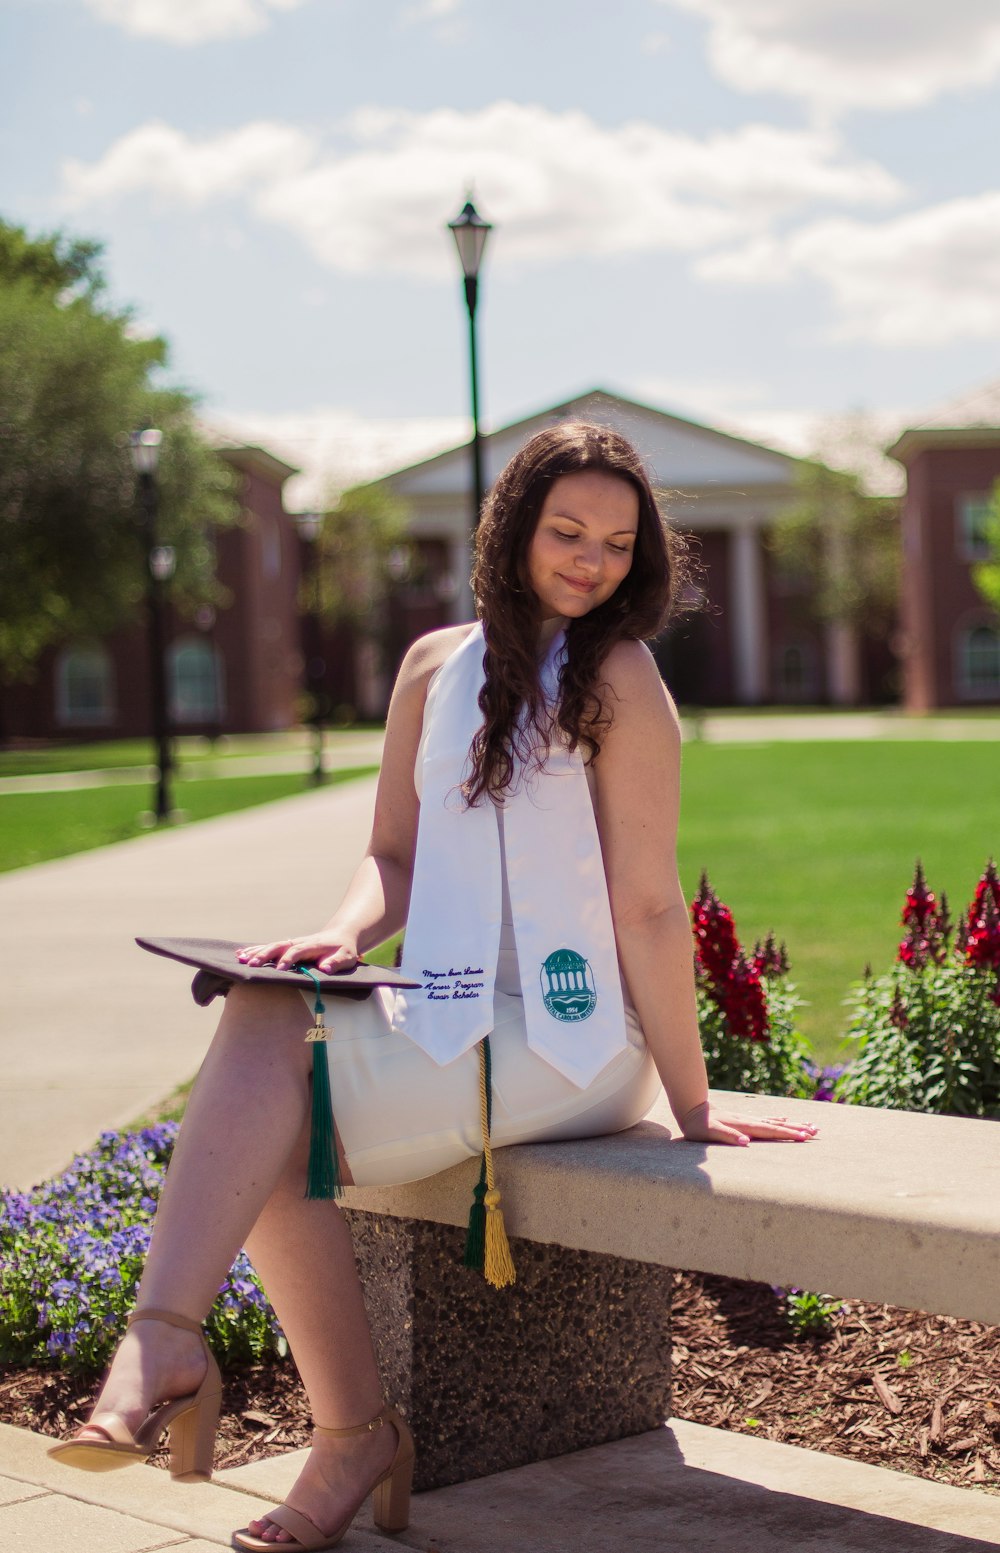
568,990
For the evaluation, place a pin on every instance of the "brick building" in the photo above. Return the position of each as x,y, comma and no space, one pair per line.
951,635
238,669
754,638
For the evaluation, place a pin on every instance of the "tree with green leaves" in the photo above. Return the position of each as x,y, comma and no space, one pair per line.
843,546
986,574
363,551
362,543
74,381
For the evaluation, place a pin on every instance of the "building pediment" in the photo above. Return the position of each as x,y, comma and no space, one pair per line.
682,455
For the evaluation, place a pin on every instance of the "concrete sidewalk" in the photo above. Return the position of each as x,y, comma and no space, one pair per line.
93,1030
684,1488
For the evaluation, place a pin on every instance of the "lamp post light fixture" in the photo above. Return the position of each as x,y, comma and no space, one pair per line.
309,526
144,447
470,232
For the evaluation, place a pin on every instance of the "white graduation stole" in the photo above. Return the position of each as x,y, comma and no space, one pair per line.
565,940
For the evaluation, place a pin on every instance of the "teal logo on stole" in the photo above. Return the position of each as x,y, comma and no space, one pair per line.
568,990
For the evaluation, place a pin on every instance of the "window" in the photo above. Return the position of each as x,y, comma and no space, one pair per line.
796,676
972,511
270,548
85,695
194,669
979,663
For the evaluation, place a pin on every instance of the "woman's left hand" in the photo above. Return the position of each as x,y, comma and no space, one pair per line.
700,1125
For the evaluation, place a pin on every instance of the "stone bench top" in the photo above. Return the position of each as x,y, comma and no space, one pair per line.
887,1206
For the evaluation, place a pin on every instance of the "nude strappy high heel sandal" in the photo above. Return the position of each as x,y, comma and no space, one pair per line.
190,1423
390,1497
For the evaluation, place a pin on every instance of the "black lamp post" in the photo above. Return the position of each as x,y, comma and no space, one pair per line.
145,451
309,525
470,232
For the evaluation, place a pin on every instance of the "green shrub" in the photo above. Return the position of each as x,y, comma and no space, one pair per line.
928,1031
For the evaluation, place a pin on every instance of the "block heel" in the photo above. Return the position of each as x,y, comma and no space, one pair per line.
191,1437
390,1497
391,1494
191,1423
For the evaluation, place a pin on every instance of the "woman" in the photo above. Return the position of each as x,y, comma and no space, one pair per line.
544,909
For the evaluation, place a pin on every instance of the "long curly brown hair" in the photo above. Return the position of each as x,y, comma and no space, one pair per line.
517,723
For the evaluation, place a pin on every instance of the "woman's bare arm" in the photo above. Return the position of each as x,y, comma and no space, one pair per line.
376,900
638,792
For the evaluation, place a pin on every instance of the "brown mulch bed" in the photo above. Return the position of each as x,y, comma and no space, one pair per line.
891,1387
894,1388
264,1410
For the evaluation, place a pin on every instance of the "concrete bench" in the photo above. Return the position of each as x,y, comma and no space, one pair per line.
884,1205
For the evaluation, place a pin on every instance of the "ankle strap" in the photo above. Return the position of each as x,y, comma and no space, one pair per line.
168,1317
386,1415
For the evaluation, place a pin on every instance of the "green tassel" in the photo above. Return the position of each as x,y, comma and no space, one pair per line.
475,1240
322,1177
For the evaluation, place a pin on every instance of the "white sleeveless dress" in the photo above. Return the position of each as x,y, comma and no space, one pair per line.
400,1116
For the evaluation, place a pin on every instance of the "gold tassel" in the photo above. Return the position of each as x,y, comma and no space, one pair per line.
498,1265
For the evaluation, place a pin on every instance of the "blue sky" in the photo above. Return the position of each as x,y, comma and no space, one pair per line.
759,213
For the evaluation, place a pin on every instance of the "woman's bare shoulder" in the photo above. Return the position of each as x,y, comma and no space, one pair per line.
426,655
633,680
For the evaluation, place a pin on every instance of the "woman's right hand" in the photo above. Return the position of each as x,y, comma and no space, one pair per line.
328,950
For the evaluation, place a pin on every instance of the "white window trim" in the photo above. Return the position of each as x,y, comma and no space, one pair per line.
967,551
965,688
84,717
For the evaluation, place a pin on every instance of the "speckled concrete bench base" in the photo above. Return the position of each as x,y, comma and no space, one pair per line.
576,1353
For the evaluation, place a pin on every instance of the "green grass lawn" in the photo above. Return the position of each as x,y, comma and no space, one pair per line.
818,842
36,826
113,754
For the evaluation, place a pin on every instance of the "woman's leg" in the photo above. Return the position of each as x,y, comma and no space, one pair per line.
240,1161
303,1254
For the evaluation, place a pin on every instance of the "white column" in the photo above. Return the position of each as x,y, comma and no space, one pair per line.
843,664
462,606
749,615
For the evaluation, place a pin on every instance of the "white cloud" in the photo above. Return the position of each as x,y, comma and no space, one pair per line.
190,21
557,183
925,278
335,447
161,160
837,54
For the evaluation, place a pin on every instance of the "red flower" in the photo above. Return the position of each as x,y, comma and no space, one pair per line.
989,884
743,1002
920,901
770,958
982,947
927,926
716,944
733,982
897,1011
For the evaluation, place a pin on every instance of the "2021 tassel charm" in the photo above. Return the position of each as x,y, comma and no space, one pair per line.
322,1177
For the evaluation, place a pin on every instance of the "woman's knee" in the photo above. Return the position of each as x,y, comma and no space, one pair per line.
274,1017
